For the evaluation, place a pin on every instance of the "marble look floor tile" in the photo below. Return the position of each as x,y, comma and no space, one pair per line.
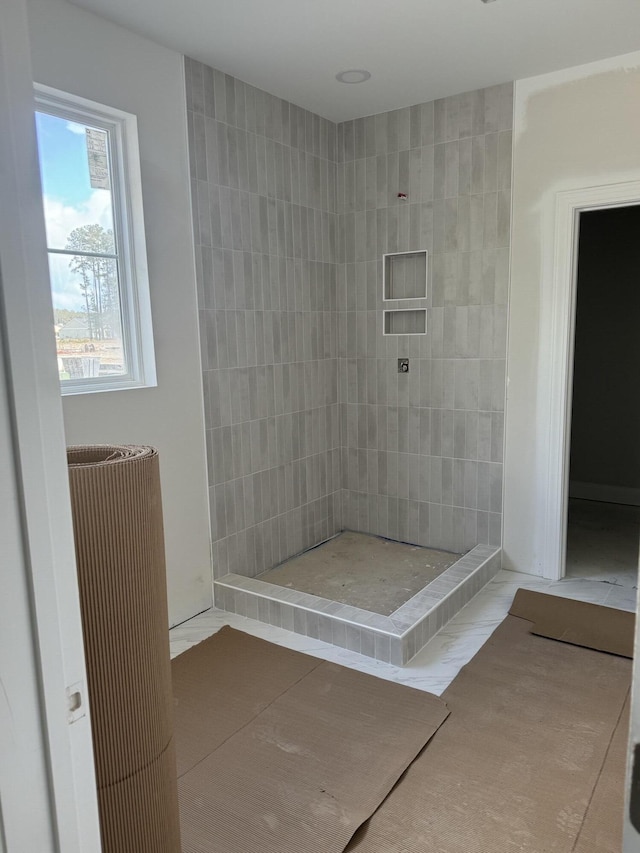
624,598
178,647
627,578
584,590
602,542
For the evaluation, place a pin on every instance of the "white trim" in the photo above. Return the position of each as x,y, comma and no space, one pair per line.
556,357
128,223
626,495
46,569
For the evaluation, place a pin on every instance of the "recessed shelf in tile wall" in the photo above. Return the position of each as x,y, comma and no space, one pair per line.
409,322
405,275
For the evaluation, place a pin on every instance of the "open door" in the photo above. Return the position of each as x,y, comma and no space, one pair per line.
47,784
603,527
632,806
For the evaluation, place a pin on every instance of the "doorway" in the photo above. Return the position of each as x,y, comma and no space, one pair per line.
603,506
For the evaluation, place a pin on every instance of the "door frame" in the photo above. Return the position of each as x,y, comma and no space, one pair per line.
48,794
558,311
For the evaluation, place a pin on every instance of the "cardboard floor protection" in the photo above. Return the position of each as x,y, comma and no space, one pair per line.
279,752
577,622
532,756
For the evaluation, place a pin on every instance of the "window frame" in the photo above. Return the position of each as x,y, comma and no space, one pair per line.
129,237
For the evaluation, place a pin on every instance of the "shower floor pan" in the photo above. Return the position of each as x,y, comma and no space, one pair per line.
371,595
369,572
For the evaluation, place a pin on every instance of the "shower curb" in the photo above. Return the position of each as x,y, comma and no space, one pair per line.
394,639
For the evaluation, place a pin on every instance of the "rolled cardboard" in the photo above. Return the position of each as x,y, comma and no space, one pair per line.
148,825
119,541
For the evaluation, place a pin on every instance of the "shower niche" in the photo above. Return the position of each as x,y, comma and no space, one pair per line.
404,280
405,322
405,275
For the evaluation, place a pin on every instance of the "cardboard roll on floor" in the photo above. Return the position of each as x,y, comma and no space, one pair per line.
119,541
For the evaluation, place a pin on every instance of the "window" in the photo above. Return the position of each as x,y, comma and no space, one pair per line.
95,241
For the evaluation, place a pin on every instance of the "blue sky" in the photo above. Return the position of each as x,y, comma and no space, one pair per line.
63,159
69,199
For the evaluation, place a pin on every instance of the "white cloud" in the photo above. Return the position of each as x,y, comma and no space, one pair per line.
76,128
65,292
61,219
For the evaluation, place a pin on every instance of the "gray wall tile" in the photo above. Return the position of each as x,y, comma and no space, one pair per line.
415,446
264,177
292,215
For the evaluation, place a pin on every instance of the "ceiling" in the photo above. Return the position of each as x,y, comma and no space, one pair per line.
416,50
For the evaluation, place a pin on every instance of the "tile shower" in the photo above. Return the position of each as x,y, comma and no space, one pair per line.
310,427
422,451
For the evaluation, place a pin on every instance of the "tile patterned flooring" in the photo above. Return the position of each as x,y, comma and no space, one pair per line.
602,542
438,663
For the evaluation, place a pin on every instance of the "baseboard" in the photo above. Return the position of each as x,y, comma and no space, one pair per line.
607,494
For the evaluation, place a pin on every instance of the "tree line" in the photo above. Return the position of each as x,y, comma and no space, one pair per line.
98,280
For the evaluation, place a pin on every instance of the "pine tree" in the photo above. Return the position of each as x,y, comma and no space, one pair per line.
98,279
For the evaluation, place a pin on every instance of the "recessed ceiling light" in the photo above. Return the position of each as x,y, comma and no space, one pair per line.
354,75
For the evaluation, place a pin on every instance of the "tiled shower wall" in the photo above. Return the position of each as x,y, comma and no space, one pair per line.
310,428
422,452
263,185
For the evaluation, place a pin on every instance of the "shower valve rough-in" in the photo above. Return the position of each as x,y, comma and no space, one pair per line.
403,365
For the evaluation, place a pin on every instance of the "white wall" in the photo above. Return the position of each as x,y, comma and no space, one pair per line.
573,129
78,52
